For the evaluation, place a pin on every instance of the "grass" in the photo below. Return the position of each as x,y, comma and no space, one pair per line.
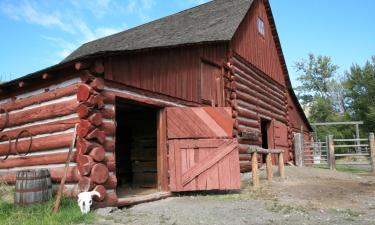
40,214
344,168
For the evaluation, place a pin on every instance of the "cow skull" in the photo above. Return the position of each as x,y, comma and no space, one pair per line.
85,200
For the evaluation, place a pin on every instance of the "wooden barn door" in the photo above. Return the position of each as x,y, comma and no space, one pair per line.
202,153
280,132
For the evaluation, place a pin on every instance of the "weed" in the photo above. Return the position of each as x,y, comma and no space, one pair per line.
41,214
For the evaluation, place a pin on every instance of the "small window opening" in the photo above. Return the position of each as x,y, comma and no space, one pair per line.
260,26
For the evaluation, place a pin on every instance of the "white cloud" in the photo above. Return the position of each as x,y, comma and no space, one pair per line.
31,14
72,21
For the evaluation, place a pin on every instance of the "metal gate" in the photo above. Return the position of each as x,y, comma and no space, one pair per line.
315,153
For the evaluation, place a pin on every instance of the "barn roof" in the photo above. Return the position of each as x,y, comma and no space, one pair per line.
214,21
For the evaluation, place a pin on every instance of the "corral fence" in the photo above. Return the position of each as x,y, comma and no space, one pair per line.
357,152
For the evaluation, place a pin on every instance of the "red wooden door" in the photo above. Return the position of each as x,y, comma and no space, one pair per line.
280,132
202,153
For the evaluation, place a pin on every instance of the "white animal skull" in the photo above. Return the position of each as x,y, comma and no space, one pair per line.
85,200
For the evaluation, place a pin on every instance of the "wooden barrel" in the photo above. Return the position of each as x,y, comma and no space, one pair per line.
32,186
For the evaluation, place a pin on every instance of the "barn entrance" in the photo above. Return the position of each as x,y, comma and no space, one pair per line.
265,132
136,148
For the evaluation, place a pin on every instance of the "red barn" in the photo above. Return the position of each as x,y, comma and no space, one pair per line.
171,105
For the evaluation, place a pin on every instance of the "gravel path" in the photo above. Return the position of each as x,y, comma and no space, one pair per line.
307,196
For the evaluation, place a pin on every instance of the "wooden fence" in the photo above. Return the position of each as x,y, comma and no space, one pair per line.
332,152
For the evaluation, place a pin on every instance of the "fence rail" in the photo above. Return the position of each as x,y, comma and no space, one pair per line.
332,152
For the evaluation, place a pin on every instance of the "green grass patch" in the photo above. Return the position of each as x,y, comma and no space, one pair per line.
344,168
41,214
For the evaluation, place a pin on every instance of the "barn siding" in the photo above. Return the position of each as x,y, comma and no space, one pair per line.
259,50
49,114
256,96
174,72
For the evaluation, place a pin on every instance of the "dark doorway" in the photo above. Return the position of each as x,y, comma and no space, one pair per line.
264,126
136,148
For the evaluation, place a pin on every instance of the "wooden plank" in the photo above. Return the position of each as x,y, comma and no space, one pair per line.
224,172
162,158
202,178
209,161
172,166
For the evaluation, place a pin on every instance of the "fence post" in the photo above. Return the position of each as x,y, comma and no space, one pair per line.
298,149
331,153
372,151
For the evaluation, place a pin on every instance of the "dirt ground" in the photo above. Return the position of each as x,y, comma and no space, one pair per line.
306,196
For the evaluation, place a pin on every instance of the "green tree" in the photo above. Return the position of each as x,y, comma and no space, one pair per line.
322,94
360,94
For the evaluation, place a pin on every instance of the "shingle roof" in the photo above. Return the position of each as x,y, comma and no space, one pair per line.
211,22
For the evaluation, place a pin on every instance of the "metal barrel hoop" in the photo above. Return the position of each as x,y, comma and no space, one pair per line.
30,143
9,146
5,124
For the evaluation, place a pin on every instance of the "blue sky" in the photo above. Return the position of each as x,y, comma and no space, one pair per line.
39,33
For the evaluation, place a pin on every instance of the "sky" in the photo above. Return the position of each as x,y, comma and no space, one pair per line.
36,34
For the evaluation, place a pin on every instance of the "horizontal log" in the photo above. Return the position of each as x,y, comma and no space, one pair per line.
108,113
111,182
245,157
84,146
102,191
142,199
247,123
244,168
52,127
56,158
96,101
96,119
97,154
254,101
97,84
85,164
109,145
257,78
84,128
99,173
40,98
44,112
110,162
84,111
109,128
86,76
110,200
257,90
85,184
261,111
56,175
84,92
38,144
247,114
110,98
97,135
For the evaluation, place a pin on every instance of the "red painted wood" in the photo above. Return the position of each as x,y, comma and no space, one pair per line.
174,72
85,163
99,173
198,122
204,165
259,50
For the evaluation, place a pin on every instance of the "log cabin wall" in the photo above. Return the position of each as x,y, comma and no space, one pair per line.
259,83
173,72
47,114
254,96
